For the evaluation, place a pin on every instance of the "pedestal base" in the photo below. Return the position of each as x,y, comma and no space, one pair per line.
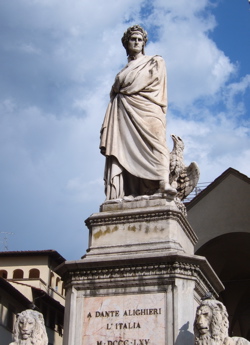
135,302
139,283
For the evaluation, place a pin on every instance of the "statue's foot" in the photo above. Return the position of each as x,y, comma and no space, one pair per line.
113,201
156,196
142,197
129,198
166,188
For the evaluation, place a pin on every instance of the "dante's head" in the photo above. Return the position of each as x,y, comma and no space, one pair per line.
135,29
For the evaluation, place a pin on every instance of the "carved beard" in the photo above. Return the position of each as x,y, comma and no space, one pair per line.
25,342
206,339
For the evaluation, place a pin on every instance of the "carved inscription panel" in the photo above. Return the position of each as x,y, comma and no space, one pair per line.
124,320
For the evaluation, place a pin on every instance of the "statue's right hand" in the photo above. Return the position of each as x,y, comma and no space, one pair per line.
103,150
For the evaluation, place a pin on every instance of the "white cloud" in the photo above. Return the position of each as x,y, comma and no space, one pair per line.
233,96
196,66
215,143
59,62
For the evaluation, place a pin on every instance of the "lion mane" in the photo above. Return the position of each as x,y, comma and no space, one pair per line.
38,336
218,328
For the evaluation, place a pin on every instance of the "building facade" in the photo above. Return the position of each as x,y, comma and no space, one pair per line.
31,274
220,216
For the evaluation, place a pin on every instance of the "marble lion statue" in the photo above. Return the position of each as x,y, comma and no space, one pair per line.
29,329
211,325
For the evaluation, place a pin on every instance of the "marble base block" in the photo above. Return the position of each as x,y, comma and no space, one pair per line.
140,301
137,228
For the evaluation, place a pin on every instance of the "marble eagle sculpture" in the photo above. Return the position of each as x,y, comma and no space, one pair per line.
183,178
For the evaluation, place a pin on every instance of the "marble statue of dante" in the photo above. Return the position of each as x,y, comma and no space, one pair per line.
133,134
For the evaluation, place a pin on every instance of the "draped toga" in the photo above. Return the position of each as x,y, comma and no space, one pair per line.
133,134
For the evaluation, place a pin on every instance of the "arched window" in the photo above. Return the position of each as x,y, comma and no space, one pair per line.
3,274
18,274
63,291
34,273
57,283
52,278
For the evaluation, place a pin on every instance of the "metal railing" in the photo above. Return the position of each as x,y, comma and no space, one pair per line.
199,188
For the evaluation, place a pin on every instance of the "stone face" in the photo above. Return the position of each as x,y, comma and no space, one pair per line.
211,325
29,329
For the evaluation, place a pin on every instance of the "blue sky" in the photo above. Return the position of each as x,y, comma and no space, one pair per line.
58,61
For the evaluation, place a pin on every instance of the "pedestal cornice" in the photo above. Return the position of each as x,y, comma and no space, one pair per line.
149,272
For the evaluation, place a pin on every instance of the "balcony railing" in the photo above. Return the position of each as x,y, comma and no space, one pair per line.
199,188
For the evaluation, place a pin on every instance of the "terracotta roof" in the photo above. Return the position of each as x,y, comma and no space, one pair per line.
216,182
50,252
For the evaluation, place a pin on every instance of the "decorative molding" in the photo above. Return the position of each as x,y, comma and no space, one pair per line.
160,273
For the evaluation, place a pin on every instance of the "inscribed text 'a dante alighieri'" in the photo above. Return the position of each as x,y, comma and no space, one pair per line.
125,320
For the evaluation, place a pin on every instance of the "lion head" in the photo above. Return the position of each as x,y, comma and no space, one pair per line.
211,323
29,328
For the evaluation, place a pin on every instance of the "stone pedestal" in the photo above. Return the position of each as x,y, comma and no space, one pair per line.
140,282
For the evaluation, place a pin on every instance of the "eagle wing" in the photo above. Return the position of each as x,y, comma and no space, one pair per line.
187,180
